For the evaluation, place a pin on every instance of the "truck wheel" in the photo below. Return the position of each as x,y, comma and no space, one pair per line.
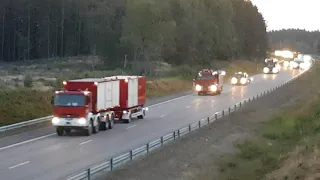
111,122
59,131
88,131
96,128
128,120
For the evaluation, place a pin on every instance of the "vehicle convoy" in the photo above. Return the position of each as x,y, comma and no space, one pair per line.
209,81
272,66
241,78
94,104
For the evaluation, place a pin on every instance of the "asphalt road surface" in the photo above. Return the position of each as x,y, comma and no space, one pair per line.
51,157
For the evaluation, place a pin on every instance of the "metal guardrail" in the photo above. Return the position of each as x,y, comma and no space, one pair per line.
176,134
25,123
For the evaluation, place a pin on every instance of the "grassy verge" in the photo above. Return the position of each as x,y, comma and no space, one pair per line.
287,147
24,104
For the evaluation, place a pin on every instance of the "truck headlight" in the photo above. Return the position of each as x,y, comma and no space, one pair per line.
213,88
286,64
55,120
198,87
234,80
243,80
265,70
82,121
274,70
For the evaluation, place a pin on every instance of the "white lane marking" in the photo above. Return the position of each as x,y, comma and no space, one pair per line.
24,142
188,106
131,126
19,165
163,116
164,102
85,142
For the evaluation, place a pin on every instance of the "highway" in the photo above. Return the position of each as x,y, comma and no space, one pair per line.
52,157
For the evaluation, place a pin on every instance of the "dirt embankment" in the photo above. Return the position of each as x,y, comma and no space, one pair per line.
198,156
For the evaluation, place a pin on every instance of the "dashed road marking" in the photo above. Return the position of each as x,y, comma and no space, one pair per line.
163,116
85,142
21,164
188,106
131,126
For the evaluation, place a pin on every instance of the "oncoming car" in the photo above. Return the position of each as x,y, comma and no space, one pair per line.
241,78
209,82
272,66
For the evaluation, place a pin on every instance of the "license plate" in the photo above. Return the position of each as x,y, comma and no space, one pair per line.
68,119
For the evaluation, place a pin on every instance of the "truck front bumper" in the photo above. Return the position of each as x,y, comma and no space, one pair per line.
70,122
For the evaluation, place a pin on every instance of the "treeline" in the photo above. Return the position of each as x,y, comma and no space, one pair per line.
129,31
296,39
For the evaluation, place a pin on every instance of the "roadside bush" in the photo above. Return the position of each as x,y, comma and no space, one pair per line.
28,82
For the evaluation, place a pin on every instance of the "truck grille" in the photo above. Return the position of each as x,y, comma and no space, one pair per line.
69,116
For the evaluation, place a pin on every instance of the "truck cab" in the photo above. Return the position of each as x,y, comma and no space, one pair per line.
73,110
272,66
209,82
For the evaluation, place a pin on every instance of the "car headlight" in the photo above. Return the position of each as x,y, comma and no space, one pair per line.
55,120
274,70
213,88
286,64
265,70
234,80
82,121
198,87
243,80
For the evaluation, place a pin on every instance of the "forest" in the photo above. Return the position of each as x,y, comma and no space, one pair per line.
129,32
297,39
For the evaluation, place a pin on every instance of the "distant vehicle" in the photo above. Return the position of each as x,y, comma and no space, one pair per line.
241,78
297,63
272,66
94,104
209,81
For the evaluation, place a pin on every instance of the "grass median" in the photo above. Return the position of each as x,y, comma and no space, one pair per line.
24,104
288,145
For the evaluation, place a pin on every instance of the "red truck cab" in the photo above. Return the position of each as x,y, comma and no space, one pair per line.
209,82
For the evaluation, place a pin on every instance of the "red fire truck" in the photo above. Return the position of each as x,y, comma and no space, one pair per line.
209,82
94,104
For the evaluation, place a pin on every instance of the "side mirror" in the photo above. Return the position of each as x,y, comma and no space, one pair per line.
223,73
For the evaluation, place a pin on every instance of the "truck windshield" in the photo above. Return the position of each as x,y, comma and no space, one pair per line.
206,77
271,64
70,100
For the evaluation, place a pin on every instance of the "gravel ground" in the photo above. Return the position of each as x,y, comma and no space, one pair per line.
194,156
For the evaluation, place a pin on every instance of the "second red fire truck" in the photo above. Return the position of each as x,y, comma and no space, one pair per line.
94,104
209,82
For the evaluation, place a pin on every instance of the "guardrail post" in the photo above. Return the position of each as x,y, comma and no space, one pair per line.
174,134
235,107
147,147
88,174
229,109
240,104
216,116
161,140
178,133
189,127
131,155
111,164
208,119
199,123
222,113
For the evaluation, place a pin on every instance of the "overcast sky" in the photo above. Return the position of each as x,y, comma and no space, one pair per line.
279,14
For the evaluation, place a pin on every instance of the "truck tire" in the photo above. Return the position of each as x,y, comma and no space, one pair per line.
111,122
95,129
59,131
88,131
128,120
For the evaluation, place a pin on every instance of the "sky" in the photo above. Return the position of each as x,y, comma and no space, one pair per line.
284,14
